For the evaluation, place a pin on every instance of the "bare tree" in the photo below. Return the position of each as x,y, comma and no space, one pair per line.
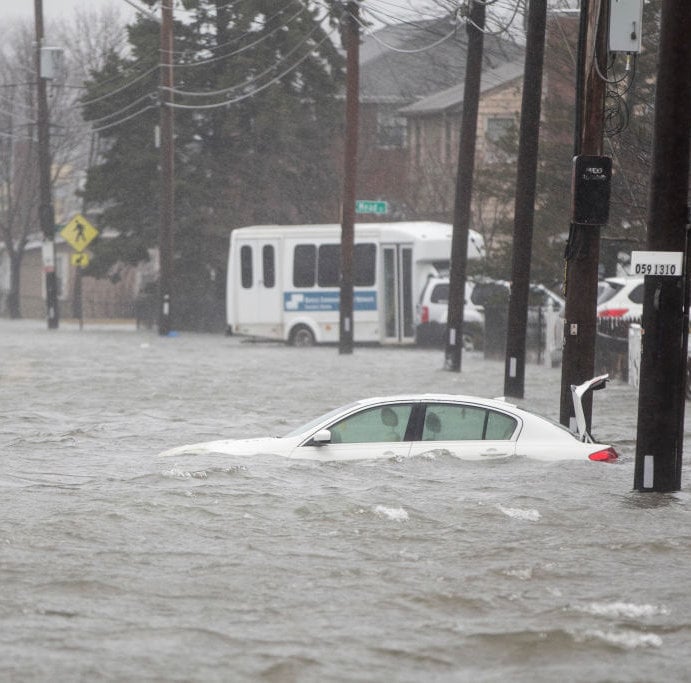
87,38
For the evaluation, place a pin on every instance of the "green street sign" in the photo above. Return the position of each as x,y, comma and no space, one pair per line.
369,206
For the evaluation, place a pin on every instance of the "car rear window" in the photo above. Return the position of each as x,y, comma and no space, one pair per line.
636,294
440,294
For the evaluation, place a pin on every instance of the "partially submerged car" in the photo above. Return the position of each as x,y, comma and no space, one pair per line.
465,427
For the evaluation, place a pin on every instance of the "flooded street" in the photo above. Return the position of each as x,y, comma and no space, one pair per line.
119,565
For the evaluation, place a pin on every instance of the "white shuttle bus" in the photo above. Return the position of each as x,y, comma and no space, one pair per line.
283,280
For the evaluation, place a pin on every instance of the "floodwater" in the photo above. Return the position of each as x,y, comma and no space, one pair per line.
119,565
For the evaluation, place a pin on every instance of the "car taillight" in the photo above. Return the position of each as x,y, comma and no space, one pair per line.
613,313
424,314
605,455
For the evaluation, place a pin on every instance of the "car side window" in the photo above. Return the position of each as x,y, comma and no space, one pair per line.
499,427
449,422
373,425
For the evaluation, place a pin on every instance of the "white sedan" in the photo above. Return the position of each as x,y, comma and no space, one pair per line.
428,425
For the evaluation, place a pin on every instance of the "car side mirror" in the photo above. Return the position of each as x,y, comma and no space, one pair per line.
322,437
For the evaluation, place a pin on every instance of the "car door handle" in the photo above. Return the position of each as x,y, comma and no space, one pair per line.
490,452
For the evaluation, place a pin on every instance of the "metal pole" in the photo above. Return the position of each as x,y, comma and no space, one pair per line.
46,211
165,240
464,187
583,249
661,404
352,37
526,180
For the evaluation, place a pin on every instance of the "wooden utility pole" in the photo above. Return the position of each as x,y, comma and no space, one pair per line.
165,236
464,186
352,106
661,402
46,210
526,180
583,248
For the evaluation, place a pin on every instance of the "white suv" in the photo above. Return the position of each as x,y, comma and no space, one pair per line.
620,297
432,311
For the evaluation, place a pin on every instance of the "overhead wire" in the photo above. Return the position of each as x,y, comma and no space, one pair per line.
255,91
240,50
223,91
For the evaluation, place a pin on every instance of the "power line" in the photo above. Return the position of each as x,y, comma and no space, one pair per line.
254,92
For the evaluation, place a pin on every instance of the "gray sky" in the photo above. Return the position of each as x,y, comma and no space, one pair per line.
54,9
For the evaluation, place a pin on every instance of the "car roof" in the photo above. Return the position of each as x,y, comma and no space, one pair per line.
438,398
621,280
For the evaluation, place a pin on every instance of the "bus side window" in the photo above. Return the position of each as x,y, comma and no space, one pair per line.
329,267
246,266
364,259
269,265
304,265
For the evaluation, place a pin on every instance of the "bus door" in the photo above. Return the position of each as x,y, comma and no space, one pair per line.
397,282
259,297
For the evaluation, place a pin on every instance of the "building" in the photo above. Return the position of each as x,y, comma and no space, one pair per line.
409,65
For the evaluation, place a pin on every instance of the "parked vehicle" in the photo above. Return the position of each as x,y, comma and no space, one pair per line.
432,310
497,292
431,315
465,427
284,281
620,297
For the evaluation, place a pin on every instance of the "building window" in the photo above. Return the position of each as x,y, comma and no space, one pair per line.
498,129
499,135
391,129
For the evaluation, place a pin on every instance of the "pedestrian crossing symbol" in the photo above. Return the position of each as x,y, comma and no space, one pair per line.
80,259
79,233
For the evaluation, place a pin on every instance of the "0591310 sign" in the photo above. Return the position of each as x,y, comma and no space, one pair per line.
660,263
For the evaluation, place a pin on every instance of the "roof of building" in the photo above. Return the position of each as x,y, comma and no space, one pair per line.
452,98
403,63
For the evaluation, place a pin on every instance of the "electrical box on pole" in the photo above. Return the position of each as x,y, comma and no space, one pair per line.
625,25
52,62
591,182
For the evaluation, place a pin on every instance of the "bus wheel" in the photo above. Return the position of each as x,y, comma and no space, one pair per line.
302,336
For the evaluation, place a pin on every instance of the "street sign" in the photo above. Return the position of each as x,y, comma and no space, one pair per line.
79,233
370,206
80,259
667,263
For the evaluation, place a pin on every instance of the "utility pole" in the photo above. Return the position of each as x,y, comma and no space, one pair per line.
352,39
661,402
524,212
165,235
46,211
583,248
464,186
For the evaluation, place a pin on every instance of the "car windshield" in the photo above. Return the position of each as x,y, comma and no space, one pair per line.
318,420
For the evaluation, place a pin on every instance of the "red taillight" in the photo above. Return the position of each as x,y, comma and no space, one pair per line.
424,314
613,313
605,455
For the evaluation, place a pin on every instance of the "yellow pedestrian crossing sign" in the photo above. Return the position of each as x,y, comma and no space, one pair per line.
79,233
80,259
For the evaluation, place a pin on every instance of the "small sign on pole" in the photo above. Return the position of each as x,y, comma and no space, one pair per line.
371,206
666,263
79,233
